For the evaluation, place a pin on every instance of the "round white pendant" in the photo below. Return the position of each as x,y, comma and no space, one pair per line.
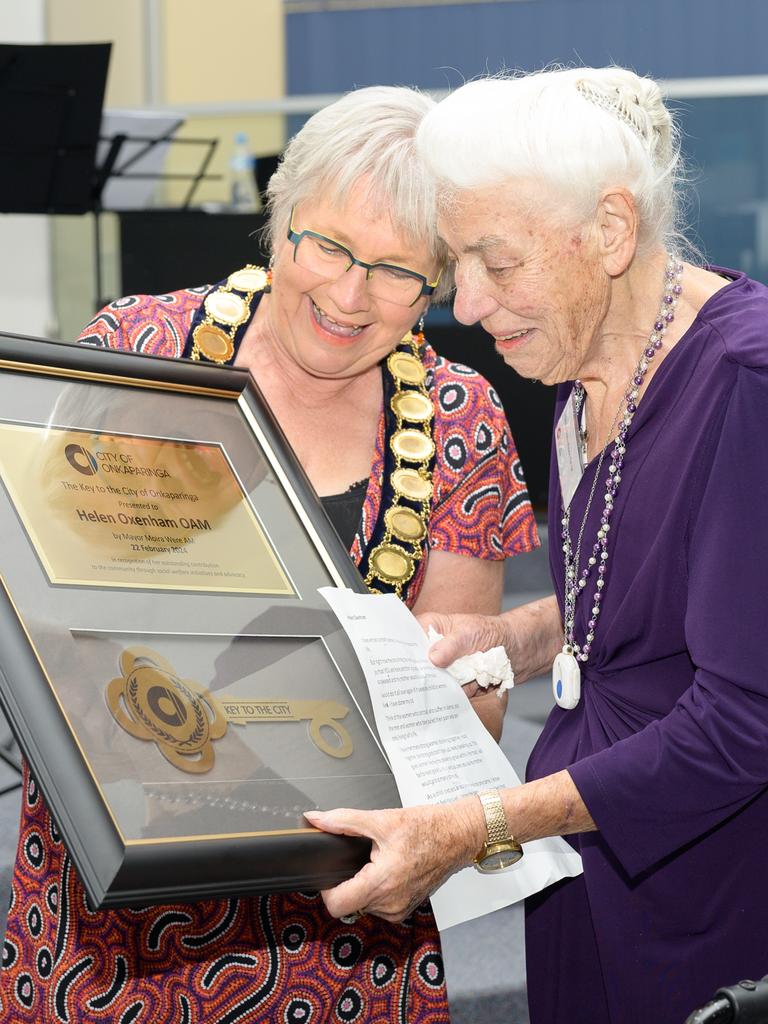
566,681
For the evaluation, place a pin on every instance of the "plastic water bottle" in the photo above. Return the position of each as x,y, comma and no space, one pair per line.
243,197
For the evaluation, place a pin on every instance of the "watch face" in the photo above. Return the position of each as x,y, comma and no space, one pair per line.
499,859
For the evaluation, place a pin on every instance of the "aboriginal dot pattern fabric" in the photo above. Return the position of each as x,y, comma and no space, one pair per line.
156,325
278,958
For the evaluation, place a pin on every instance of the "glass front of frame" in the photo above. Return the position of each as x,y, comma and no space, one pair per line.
164,574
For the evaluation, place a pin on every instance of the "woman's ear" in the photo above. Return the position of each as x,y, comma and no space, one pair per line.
617,229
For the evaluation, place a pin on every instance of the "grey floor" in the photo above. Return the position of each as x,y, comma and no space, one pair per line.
484,959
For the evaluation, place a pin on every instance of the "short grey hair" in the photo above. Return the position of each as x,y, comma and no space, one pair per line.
369,132
576,130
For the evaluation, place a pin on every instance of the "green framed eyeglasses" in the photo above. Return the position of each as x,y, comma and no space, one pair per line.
330,259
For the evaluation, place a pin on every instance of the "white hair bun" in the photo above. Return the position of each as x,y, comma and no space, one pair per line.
574,130
636,101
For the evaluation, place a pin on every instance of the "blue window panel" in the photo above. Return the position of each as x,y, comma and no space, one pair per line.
440,46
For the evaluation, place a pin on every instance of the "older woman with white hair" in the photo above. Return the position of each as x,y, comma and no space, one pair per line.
558,198
414,463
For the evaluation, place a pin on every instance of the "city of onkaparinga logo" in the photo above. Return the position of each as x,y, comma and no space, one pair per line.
116,462
81,459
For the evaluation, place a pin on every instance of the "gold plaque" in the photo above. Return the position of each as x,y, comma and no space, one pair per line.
391,563
249,279
412,445
406,368
214,343
126,511
411,484
165,654
412,405
226,306
404,523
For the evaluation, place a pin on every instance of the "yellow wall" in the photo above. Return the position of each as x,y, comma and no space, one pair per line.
234,55
120,22
222,50
209,51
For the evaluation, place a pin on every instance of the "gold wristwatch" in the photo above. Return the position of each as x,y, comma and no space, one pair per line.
500,850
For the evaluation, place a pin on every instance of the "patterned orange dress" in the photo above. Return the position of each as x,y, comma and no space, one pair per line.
279,958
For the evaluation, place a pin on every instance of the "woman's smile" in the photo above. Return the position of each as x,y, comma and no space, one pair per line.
332,326
331,329
507,342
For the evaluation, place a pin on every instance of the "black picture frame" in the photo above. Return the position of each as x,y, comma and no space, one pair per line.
57,636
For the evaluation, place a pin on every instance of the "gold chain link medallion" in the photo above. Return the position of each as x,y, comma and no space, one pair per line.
407,368
405,524
411,484
392,564
412,445
225,311
412,405
229,307
395,559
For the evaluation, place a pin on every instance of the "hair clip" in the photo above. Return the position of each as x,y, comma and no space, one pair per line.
615,103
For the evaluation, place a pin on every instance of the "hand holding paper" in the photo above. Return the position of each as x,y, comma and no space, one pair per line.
441,756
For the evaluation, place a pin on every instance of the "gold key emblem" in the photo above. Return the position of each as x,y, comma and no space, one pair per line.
152,703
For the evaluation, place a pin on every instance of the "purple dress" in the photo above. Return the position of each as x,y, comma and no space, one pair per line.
669,744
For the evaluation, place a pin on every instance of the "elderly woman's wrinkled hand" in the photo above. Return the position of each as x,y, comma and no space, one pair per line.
531,634
462,635
413,851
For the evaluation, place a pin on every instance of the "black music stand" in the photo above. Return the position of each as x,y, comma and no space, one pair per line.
115,166
51,98
50,112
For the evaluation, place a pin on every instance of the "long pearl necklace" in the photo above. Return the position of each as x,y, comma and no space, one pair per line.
566,674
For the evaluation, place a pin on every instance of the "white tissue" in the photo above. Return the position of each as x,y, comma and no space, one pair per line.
486,668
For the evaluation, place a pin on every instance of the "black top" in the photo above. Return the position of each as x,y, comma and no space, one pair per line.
344,510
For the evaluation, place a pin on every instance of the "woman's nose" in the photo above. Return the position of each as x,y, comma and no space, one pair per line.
473,300
350,290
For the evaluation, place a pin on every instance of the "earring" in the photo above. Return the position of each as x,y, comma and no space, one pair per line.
420,330
270,265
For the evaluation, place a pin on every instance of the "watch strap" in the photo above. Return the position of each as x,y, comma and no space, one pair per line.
495,818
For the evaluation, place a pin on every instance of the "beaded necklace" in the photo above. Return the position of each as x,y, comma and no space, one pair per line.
566,674
398,545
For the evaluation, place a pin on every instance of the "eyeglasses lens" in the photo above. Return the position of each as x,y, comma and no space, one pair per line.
326,260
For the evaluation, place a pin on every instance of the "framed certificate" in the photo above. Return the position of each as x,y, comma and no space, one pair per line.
180,689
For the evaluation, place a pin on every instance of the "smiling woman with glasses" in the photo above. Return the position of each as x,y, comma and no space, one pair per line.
415,466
